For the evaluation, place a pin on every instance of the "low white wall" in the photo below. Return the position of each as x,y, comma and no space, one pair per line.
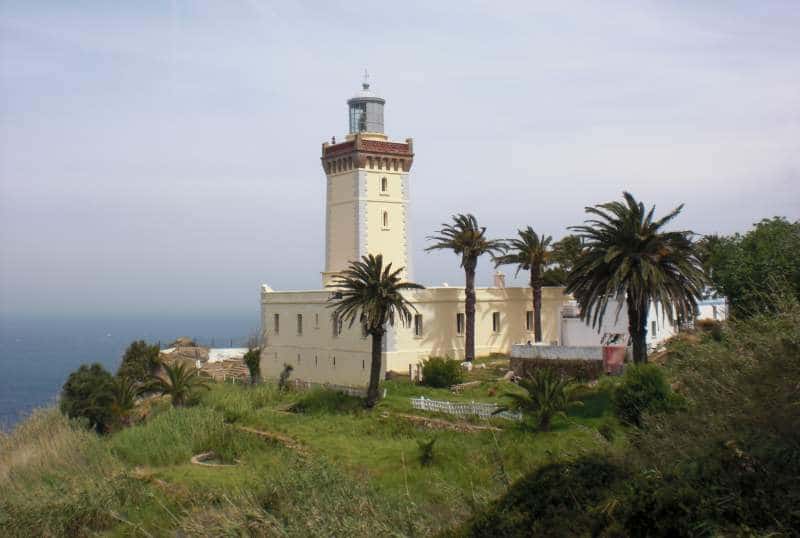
557,352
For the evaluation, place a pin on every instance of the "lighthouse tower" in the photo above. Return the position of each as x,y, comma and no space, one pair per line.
366,209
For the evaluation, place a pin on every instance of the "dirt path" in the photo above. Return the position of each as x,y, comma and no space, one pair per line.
441,424
285,440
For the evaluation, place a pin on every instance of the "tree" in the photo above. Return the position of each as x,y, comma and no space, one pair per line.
371,294
468,240
181,383
530,252
140,361
89,393
125,392
252,359
565,254
547,395
628,257
756,269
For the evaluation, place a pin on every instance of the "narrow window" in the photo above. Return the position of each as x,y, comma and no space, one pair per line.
299,324
529,320
316,361
276,355
369,161
385,219
349,163
334,360
384,184
418,325
394,164
364,332
653,328
316,320
496,322
298,358
337,326
380,164
277,319
363,364
460,323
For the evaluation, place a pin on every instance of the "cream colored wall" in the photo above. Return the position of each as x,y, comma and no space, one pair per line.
317,346
439,306
391,240
354,218
341,221
311,353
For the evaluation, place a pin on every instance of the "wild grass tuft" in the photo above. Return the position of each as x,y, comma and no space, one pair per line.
59,479
172,437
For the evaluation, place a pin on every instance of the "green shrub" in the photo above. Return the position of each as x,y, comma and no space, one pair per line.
547,394
252,360
327,401
139,362
556,500
643,389
426,451
283,379
88,394
441,372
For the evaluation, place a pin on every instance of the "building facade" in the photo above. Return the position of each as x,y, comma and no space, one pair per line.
367,211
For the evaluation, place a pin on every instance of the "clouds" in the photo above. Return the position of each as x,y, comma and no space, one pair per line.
165,156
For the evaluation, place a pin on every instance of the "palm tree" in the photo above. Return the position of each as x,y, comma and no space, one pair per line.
125,392
468,240
180,383
547,394
530,252
628,257
370,293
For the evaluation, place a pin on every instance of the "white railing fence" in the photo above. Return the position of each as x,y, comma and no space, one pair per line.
462,409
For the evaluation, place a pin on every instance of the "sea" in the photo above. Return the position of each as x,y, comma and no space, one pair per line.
38,354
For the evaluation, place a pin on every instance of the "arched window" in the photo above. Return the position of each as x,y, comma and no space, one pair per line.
380,163
386,163
349,163
394,164
385,219
384,184
369,161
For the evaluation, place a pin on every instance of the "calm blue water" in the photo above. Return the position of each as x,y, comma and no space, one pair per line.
37,355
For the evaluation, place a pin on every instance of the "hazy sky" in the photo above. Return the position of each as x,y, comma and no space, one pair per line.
163,157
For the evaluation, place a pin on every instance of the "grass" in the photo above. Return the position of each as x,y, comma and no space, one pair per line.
363,477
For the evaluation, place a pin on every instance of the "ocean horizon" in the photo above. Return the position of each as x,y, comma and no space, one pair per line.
38,354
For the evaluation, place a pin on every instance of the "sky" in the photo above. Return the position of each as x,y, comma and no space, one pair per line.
163,157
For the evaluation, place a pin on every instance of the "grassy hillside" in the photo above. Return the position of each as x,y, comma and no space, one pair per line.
329,467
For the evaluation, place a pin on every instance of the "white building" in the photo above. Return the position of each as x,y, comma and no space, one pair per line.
367,211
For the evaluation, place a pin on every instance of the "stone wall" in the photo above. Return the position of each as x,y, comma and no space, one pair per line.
524,351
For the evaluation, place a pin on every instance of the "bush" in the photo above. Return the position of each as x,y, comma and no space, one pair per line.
252,360
139,362
89,394
643,389
548,394
328,401
556,500
283,379
440,372
426,451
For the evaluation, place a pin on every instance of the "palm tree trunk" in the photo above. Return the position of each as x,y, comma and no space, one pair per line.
374,370
637,327
536,285
469,311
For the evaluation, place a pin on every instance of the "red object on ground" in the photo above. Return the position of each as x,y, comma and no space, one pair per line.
613,359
